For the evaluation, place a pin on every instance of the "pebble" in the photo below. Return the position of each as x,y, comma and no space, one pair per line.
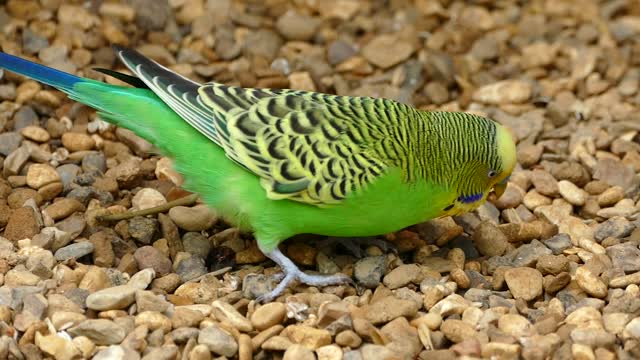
457,331
369,271
77,141
225,312
35,133
63,208
22,224
489,240
590,283
150,257
9,142
389,308
74,251
402,275
112,298
196,218
153,320
307,336
295,352
191,268
100,331
218,341
524,283
142,229
611,196
268,315
558,243
570,192
617,227
385,51
294,26
147,198
503,92
196,244
40,175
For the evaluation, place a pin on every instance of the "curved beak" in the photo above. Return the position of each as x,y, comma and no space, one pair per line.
500,187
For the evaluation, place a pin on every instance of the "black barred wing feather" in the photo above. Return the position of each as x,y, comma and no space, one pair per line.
305,146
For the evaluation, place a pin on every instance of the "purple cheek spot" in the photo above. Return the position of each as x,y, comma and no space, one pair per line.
470,198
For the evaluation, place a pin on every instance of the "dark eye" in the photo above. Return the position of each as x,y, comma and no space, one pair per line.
492,174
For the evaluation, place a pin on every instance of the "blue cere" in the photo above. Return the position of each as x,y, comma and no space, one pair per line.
470,198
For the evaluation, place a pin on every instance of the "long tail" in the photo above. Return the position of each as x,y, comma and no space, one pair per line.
132,108
46,75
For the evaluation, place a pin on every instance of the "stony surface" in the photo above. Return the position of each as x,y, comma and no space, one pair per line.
550,270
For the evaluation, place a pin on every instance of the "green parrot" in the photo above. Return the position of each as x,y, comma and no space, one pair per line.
282,162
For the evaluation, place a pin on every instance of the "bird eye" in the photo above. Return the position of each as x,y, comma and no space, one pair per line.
492,173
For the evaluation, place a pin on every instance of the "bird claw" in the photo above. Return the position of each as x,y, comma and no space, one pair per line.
291,272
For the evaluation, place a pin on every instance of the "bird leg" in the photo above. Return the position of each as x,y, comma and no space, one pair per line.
354,244
291,272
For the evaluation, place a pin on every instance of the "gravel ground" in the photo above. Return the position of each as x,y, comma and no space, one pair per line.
550,270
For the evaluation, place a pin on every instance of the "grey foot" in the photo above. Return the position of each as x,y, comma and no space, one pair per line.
354,244
291,272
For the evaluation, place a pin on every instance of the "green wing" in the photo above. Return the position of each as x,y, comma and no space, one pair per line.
304,146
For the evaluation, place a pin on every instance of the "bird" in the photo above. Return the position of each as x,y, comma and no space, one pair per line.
283,162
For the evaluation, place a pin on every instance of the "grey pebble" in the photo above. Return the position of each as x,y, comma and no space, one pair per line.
76,251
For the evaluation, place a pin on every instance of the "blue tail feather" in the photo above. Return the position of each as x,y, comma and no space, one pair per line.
44,74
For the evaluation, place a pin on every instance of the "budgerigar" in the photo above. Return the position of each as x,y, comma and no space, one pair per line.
286,162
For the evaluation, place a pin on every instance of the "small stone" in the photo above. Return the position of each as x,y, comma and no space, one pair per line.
524,283
295,352
100,331
329,352
74,251
611,196
142,229
153,320
544,183
515,325
570,192
402,275
185,317
503,92
489,240
218,341
348,338
196,244
385,51
9,142
268,315
301,81
165,171
389,308
63,208
35,133
147,301
625,257
626,280
457,330
196,218
77,141
558,243
150,257
307,336
617,227
59,347
369,271
147,198
302,253
590,283
552,264
225,312
294,26
22,224
191,268
113,298
40,175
